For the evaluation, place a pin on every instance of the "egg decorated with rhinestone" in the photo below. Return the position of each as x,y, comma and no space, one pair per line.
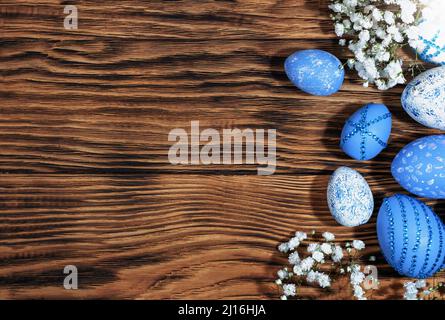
366,132
420,167
424,98
350,199
411,236
316,72
430,45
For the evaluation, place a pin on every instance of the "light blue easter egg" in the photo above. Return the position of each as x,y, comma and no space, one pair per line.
366,132
349,197
424,98
411,236
420,167
316,72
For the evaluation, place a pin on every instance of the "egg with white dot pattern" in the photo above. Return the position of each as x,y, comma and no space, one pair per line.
350,199
424,98
316,72
366,132
411,236
420,167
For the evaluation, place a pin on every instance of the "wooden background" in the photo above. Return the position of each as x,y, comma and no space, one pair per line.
85,177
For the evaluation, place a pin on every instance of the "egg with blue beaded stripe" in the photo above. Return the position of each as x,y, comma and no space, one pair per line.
316,72
350,199
424,98
411,236
420,167
366,132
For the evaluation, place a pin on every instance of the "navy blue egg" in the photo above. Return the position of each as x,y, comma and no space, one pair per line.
411,236
366,132
316,72
420,167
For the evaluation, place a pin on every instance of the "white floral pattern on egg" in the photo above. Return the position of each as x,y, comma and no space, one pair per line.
350,199
420,167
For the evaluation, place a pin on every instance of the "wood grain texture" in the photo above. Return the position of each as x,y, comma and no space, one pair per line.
85,177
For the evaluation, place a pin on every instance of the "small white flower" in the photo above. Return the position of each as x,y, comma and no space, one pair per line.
383,56
377,15
387,24
279,282
410,291
283,297
389,17
364,36
387,40
283,247
312,247
358,292
326,248
323,280
420,284
372,259
282,274
381,33
301,236
357,277
312,276
339,29
351,63
355,268
307,263
337,7
293,243
412,32
337,254
298,270
294,258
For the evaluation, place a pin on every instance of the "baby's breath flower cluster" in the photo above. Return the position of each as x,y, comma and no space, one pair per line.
417,291
374,30
308,267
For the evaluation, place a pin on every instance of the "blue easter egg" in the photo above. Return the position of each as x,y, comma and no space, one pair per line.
424,98
316,72
366,132
420,167
411,236
350,199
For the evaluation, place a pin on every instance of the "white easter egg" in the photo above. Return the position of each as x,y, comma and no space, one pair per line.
350,199
424,98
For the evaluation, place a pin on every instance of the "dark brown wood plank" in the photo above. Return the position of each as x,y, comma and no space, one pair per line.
139,237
